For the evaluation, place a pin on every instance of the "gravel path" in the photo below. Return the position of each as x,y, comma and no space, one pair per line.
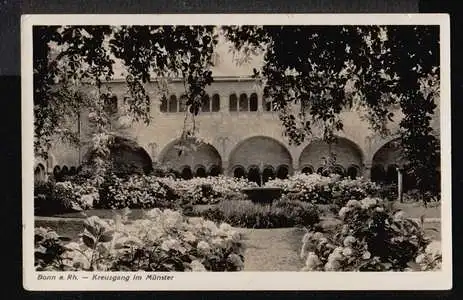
272,249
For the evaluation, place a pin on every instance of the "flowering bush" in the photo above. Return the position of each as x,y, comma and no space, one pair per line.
163,241
52,197
431,258
136,192
207,190
244,213
49,249
320,189
369,238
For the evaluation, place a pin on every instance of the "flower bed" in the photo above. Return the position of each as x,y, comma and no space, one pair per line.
162,241
207,190
370,238
52,197
244,213
136,192
324,189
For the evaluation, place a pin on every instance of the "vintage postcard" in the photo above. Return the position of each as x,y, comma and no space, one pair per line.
236,152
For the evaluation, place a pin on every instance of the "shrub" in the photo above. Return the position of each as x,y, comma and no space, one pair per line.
136,192
162,241
370,238
244,213
325,189
58,197
208,190
49,250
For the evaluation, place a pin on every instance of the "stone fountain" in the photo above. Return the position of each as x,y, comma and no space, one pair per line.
262,194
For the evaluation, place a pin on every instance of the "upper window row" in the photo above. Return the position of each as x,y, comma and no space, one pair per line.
241,103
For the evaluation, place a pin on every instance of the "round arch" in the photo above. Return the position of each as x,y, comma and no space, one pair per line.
260,151
389,153
346,151
204,154
127,157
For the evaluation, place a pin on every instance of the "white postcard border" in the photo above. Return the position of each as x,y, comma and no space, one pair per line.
441,280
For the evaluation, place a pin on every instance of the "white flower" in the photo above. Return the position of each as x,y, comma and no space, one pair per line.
170,244
306,238
312,261
379,209
420,258
366,255
235,260
218,243
322,241
347,251
345,229
225,227
189,237
434,248
333,265
154,213
368,202
343,211
197,266
400,215
203,247
317,235
210,226
353,203
349,241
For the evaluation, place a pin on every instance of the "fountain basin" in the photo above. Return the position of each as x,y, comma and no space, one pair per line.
264,195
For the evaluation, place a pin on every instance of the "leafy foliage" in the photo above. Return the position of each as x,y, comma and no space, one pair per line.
327,69
162,241
244,213
370,237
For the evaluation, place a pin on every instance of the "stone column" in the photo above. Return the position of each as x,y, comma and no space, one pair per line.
367,170
399,184
225,166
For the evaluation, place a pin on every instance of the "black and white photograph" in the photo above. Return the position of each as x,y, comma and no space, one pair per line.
275,151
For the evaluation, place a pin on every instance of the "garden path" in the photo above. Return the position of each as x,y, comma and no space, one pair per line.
272,249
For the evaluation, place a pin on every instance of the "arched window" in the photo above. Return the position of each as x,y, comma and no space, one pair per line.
320,171
64,171
201,171
57,172
206,104
307,170
173,103
215,171
39,173
267,104
282,172
186,173
163,106
79,169
239,172
182,103
72,171
353,172
244,103
254,175
233,102
268,174
253,102
378,174
215,103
